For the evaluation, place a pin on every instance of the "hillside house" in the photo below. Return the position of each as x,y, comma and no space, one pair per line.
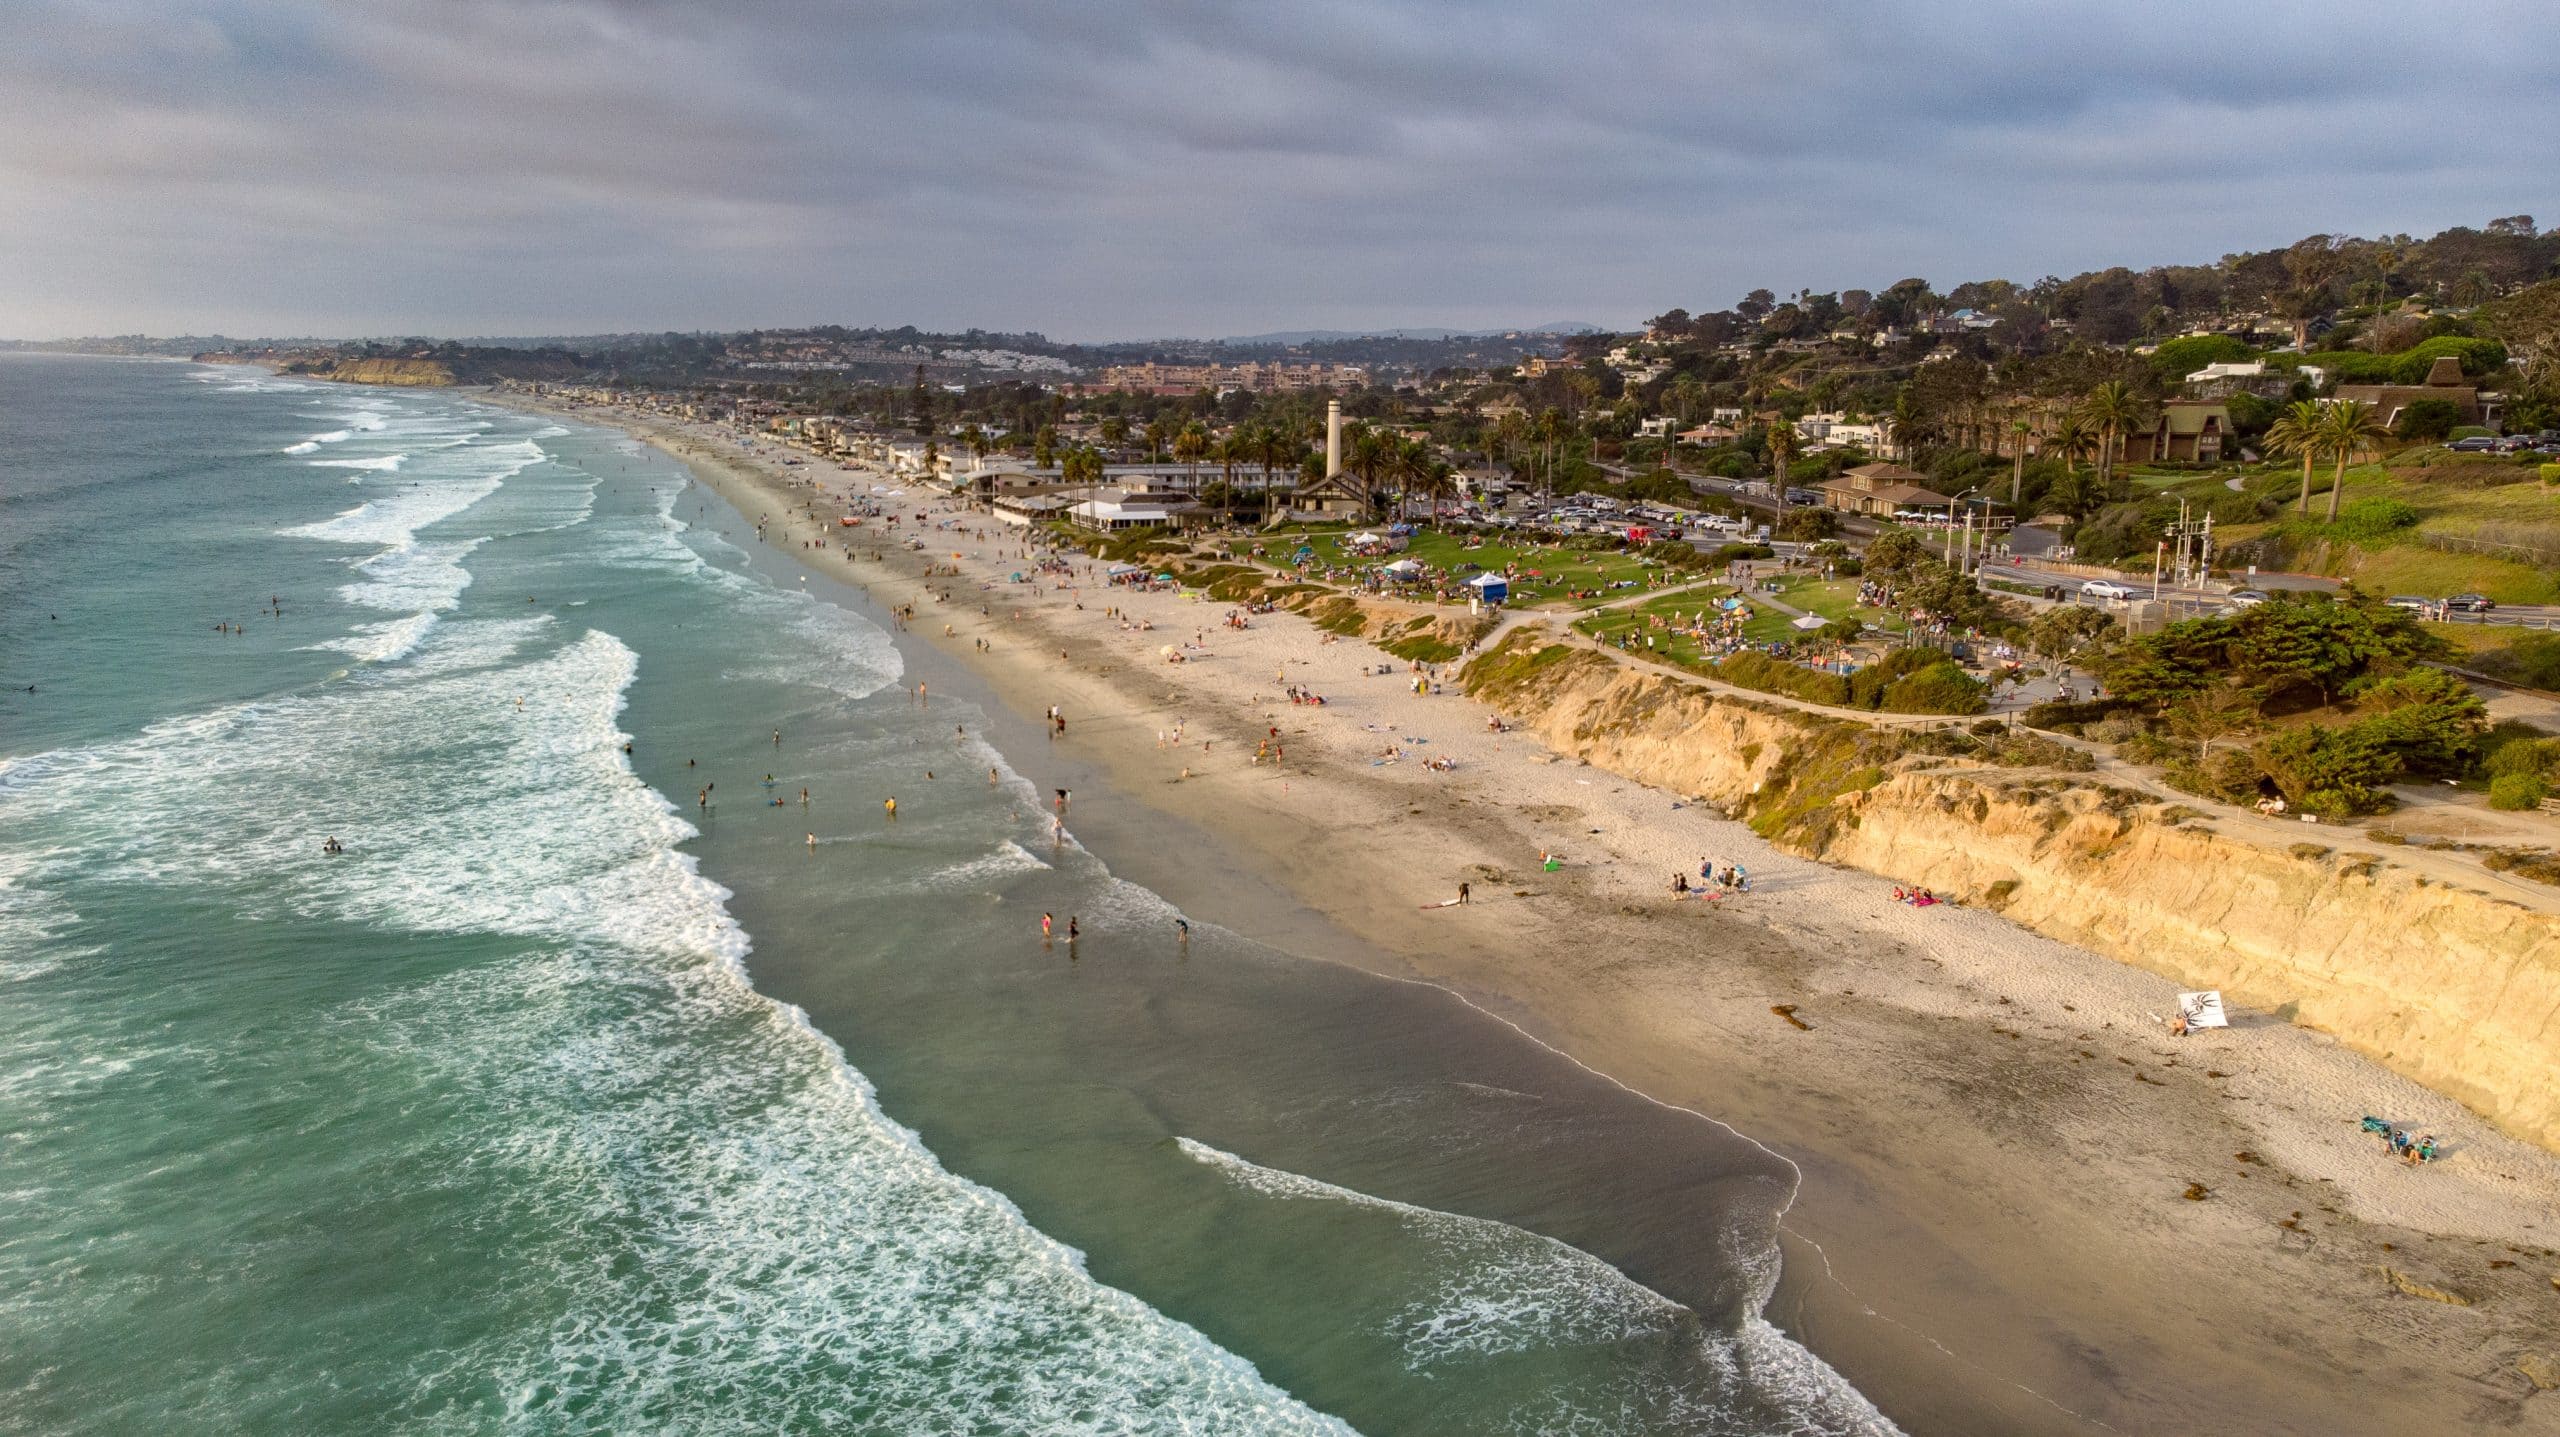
1879,490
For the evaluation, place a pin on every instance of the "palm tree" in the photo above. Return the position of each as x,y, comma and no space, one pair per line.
1902,427
1414,465
2113,409
2021,429
1234,448
2073,440
1782,450
1190,447
1510,433
1272,447
978,443
1685,393
1551,428
2296,435
1115,430
1371,452
2348,430
1044,447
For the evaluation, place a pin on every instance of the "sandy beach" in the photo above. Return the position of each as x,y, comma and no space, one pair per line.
2024,1207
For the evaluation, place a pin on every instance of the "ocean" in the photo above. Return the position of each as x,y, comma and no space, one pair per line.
570,1097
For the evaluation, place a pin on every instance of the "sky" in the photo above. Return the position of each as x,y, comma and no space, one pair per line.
1116,169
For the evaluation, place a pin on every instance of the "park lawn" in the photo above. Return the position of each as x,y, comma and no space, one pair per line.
1559,568
1834,599
1681,649
1766,624
2403,563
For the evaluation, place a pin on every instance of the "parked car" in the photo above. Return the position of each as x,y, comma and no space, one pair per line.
1803,497
2412,602
2247,598
2476,444
2107,589
2471,603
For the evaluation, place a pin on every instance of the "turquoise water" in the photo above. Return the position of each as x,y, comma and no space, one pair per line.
550,1104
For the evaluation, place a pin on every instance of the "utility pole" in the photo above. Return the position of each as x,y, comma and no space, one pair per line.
2195,545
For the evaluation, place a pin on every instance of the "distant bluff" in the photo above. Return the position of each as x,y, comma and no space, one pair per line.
399,373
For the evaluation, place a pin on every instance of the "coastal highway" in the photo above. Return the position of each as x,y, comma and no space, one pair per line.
2206,600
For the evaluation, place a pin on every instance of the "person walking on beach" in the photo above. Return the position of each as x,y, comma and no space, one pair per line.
1462,892
777,738
1048,926
1073,930
1182,931
891,806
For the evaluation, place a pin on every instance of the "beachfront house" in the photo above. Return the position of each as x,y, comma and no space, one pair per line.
1112,509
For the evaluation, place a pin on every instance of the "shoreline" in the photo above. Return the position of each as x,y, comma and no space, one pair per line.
1989,1234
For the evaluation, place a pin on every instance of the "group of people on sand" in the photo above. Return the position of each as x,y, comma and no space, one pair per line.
1712,881
2398,1143
1916,897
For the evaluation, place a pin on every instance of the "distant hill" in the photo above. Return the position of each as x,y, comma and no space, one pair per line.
1335,336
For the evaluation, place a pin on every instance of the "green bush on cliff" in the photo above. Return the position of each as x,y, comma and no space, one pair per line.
2334,772
1941,688
1752,669
2518,791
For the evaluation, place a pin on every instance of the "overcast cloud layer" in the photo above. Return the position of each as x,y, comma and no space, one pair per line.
1101,169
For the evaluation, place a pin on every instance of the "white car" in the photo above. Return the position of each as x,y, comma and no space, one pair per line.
2107,589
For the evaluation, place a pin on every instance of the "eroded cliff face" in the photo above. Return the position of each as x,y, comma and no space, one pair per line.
2450,987
399,373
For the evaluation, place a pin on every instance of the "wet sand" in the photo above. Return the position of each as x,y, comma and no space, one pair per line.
1993,1233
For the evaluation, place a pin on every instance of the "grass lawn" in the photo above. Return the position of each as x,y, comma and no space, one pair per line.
1680,608
1559,569
2455,498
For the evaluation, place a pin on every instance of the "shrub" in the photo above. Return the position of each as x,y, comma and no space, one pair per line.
2330,771
1941,688
2550,473
2427,421
2175,359
2429,719
1867,685
2517,791
2370,519
1753,670
2522,755
2034,750
2139,745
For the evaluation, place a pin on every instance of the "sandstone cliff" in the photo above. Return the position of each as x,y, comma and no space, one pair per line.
400,373
2451,987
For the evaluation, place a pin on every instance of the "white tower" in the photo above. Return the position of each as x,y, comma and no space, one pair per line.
1332,438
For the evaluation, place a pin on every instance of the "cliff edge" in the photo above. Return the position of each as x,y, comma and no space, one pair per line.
2448,986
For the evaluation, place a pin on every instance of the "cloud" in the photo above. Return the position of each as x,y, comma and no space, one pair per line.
1120,167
